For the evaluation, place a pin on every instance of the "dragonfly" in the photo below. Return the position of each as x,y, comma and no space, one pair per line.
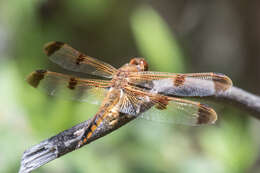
130,89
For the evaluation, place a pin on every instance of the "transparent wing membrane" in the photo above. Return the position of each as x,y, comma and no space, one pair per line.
180,111
53,83
166,109
71,59
170,84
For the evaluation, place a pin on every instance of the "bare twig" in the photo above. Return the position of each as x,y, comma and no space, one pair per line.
67,140
242,100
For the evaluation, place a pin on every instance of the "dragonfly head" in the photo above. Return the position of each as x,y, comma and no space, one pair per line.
140,63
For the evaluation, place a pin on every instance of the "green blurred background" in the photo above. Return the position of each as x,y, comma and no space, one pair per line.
173,35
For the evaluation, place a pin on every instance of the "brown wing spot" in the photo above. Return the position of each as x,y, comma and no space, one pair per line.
72,83
34,78
179,80
221,82
162,103
206,115
52,47
80,59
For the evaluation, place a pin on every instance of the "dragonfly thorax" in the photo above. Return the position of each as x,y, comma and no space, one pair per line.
120,79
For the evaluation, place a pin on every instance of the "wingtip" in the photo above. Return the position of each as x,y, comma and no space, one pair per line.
52,47
207,115
35,77
222,82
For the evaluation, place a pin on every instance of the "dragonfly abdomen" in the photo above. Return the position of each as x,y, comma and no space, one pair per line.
108,109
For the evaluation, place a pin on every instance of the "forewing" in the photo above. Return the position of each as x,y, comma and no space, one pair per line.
71,59
170,84
53,83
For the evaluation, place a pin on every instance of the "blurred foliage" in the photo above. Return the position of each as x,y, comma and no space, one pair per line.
106,29
155,40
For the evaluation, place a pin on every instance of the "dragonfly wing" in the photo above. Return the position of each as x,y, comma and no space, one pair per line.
170,84
166,109
71,59
53,83
179,111
134,104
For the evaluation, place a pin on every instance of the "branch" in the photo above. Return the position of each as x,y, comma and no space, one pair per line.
67,140
242,99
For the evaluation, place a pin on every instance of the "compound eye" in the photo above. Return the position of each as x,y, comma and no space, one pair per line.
134,61
140,63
